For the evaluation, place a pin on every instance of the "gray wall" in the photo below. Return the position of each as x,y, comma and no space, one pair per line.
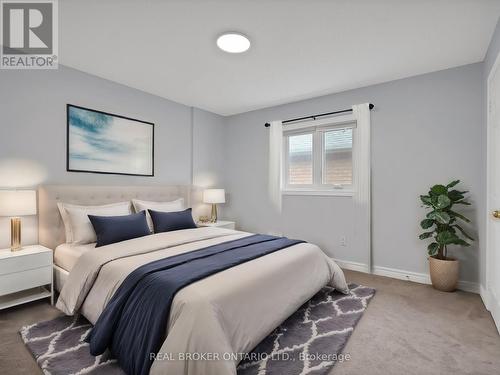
208,152
426,129
33,133
208,149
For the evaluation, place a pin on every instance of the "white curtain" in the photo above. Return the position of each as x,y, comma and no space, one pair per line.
275,156
362,179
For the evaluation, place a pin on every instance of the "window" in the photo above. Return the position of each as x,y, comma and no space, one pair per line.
318,159
300,159
337,157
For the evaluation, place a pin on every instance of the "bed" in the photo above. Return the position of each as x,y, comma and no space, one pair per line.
223,315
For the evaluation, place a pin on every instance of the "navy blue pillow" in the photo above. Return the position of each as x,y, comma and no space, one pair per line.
169,221
112,229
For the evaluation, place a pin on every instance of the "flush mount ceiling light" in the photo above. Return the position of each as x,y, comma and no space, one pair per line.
232,42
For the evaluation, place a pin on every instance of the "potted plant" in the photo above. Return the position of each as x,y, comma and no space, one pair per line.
442,226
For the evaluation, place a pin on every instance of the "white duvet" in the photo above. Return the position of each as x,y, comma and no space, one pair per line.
218,317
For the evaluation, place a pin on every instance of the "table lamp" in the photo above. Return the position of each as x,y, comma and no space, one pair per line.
15,203
214,196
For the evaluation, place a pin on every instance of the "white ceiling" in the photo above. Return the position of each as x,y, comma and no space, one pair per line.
300,49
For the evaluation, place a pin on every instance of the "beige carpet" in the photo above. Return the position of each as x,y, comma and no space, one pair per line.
408,328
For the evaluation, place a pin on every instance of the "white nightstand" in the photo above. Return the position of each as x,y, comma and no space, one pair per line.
219,224
25,275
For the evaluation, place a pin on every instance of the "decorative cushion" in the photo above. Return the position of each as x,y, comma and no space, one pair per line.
81,231
112,229
172,206
169,221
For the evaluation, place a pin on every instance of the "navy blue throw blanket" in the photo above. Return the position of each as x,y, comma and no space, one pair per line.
134,322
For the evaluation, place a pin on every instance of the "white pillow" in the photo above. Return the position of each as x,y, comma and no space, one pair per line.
77,225
65,219
172,206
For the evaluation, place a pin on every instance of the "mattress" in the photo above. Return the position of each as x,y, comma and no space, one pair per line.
66,255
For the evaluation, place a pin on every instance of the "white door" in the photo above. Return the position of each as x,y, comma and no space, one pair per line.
492,295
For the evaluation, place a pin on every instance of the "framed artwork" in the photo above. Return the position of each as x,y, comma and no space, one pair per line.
100,142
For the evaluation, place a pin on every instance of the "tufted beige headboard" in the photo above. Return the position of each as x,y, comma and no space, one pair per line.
51,228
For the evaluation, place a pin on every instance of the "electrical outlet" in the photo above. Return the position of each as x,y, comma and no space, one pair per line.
343,241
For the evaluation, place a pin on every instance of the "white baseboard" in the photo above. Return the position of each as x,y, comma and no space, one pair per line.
492,304
353,266
485,296
468,286
402,275
416,277
495,312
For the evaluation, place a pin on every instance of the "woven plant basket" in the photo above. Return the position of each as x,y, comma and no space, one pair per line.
444,273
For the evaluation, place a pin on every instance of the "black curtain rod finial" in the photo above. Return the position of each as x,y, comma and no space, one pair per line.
371,106
267,124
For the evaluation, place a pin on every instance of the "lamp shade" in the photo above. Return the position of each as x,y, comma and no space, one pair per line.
17,202
214,196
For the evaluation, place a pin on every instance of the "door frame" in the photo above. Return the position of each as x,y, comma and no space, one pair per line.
491,303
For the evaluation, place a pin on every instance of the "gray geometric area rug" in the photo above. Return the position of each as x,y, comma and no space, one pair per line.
308,342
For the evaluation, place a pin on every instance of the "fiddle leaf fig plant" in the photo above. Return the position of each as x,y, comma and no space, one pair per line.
442,222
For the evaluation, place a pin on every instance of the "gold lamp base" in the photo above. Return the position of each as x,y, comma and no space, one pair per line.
15,234
213,218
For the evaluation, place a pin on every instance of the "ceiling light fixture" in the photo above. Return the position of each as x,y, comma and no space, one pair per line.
233,42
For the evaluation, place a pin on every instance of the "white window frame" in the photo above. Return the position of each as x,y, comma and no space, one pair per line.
317,128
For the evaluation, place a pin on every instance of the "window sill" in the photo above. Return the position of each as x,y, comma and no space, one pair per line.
331,193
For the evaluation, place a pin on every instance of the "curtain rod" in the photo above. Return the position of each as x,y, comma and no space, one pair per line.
371,106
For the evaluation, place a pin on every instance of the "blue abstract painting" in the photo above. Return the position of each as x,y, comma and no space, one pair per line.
106,143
